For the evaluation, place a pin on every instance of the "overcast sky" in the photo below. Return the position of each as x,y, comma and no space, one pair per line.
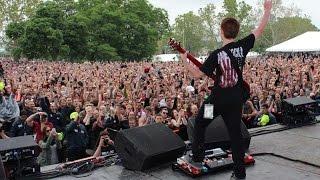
177,7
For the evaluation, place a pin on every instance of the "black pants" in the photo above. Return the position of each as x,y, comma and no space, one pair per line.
227,103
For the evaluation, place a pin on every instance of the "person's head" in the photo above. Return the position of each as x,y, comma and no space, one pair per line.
53,107
265,108
159,118
47,130
194,109
179,106
77,109
29,122
77,102
95,112
69,101
229,28
121,109
43,117
164,113
148,110
161,96
301,92
175,114
132,119
8,89
63,102
155,102
102,110
30,104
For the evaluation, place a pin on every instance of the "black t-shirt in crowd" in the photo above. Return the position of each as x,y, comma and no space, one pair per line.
239,49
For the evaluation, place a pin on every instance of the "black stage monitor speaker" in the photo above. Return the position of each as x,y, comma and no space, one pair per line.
298,105
145,147
22,146
299,111
217,134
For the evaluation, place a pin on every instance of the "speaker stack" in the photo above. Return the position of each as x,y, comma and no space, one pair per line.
298,111
217,136
18,155
145,147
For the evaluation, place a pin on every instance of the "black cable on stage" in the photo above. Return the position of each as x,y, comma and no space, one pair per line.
286,158
77,170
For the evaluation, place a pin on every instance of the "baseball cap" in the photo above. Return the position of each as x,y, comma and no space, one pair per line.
2,85
74,115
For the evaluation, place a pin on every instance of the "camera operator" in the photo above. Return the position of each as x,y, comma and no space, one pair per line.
106,145
77,138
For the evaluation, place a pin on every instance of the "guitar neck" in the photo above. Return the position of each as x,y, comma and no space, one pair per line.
176,46
190,57
194,60
197,63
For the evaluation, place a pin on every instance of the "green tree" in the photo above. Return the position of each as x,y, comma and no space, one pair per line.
132,28
91,29
15,30
190,30
16,11
40,36
75,36
67,6
210,19
41,40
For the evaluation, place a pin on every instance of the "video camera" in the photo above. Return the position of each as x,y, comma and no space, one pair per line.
106,141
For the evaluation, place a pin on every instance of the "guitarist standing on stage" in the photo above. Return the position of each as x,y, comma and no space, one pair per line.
227,96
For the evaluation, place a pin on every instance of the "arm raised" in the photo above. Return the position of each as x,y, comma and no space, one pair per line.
264,21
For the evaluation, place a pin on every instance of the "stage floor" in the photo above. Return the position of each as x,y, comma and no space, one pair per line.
300,143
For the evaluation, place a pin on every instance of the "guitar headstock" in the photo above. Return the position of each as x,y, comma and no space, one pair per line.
176,45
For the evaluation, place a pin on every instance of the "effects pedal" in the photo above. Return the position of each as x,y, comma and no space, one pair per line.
215,160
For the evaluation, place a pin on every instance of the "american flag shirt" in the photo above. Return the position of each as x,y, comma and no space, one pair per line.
219,60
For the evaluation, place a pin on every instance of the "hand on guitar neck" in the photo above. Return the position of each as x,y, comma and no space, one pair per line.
194,70
185,56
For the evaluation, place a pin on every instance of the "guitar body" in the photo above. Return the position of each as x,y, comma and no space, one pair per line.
176,46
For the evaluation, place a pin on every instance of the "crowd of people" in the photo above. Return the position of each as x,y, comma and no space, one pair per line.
73,107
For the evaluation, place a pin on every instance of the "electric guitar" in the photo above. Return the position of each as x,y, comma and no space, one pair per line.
177,46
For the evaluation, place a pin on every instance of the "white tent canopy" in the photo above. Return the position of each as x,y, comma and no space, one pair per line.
307,42
165,58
